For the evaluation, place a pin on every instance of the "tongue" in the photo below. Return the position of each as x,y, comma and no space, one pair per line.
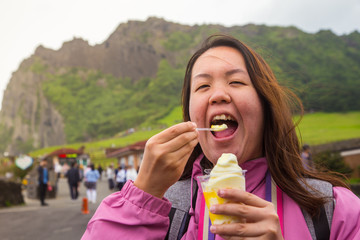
225,133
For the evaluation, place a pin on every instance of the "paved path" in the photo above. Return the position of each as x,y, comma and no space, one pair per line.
62,219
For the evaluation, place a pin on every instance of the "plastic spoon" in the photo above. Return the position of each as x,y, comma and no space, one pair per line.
214,128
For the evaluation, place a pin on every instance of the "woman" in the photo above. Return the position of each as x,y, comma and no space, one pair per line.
91,176
227,82
121,177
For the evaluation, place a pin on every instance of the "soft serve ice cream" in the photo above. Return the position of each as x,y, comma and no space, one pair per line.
218,127
226,174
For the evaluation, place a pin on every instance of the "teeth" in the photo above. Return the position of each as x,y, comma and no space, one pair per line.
223,117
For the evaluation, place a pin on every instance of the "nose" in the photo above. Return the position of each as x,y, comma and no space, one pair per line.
220,95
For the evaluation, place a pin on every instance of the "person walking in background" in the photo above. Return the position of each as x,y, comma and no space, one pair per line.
73,177
121,177
43,181
91,178
306,157
100,170
57,169
117,170
131,173
81,172
64,169
110,174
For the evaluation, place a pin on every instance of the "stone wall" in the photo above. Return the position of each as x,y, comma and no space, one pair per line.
10,193
337,146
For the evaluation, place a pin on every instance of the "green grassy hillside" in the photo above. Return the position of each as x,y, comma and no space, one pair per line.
104,105
318,128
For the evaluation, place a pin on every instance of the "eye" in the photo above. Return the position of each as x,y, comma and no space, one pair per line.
203,86
237,83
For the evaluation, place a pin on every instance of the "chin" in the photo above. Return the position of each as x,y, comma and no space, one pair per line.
213,156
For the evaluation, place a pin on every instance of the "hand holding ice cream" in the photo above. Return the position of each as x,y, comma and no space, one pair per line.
226,174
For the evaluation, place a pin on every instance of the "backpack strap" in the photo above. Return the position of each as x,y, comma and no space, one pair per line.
179,195
320,226
322,229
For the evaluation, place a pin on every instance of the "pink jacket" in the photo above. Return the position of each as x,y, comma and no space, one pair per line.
135,214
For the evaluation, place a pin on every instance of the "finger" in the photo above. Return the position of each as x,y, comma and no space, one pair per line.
155,149
171,139
236,229
250,213
245,230
238,195
176,130
181,141
183,153
172,147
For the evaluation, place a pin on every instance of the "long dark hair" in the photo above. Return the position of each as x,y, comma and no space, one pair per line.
281,145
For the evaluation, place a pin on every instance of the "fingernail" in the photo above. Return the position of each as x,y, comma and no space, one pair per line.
212,228
212,209
221,193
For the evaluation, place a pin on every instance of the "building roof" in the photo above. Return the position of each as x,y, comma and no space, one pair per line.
65,151
124,151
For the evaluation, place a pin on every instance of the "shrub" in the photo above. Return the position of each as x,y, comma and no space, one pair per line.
19,173
332,161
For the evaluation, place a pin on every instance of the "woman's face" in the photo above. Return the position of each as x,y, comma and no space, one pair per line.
222,92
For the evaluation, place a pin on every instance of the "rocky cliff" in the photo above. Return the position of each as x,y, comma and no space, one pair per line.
29,120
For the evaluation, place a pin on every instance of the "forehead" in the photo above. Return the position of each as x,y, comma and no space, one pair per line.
224,55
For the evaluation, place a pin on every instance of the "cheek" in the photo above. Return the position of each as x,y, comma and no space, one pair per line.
252,110
193,110
257,117
253,105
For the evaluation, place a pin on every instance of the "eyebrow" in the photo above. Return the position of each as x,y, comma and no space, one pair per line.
228,73
237,70
202,75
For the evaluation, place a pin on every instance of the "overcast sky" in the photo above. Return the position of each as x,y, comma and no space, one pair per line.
25,24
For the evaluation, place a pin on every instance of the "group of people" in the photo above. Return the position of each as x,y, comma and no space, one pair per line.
118,177
75,175
228,82
90,177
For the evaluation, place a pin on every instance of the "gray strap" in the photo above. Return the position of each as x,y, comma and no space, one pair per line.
323,189
179,195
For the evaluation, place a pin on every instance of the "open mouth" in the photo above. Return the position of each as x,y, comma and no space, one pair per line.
224,119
